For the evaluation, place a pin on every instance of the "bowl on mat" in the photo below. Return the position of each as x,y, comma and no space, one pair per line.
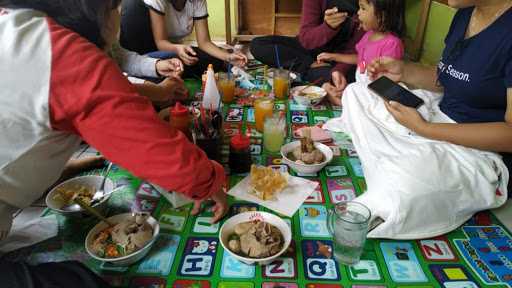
54,203
308,95
128,259
228,228
306,168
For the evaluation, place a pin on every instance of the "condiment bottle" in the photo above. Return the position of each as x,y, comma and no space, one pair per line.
240,154
180,119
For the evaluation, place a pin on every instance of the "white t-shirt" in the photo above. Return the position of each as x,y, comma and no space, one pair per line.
179,24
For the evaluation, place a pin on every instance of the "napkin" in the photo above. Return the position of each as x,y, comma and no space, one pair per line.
287,202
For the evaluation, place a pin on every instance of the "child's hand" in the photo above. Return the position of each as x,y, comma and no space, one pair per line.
169,67
325,57
187,54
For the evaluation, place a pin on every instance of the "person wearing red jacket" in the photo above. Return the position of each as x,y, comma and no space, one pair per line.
58,89
322,29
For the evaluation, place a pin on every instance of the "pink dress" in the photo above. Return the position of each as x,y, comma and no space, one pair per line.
367,50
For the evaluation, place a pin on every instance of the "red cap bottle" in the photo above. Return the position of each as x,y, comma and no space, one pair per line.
180,119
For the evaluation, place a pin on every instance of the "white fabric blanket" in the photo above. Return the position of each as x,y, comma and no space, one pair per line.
420,187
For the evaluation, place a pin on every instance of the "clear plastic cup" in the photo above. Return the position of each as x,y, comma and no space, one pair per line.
348,224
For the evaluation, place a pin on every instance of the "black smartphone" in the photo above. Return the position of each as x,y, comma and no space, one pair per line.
391,91
349,6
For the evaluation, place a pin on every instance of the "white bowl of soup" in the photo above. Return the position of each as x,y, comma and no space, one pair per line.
275,237
124,243
308,95
83,187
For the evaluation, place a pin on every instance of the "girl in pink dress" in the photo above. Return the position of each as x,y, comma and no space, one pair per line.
384,21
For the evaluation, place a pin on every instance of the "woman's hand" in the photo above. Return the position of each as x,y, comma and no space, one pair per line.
333,18
335,90
186,54
237,59
407,116
325,57
219,209
386,66
173,88
169,67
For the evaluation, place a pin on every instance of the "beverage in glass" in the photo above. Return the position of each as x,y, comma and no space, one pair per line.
281,83
348,224
226,85
263,107
274,133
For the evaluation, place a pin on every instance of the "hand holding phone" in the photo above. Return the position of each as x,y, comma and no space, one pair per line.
391,91
345,6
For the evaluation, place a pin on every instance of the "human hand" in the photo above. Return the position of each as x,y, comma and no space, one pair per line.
187,54
333,18
332,94
173,88
237,59
407,116
219,209
339,81
325,57
386,66
169,67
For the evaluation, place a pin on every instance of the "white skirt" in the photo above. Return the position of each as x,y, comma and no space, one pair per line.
420,187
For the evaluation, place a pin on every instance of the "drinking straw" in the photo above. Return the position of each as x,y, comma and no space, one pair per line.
293,64
277,56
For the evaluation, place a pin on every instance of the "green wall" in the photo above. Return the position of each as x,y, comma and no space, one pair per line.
438,23
216,20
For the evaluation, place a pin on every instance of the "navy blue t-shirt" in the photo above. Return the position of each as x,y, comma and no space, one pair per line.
476,72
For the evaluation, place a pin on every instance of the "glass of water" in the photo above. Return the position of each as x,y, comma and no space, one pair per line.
348,224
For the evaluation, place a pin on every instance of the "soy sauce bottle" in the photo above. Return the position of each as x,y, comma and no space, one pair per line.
240,154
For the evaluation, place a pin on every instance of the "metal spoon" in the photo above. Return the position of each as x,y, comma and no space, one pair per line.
100,193
98,198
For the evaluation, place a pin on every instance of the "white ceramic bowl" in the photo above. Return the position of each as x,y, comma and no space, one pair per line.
308,101
91,181
306,168
128,259
229,228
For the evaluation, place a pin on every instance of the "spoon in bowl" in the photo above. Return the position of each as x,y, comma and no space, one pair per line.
98,195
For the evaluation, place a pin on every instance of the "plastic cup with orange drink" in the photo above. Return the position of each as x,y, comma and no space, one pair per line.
263,108
281,83
226,85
